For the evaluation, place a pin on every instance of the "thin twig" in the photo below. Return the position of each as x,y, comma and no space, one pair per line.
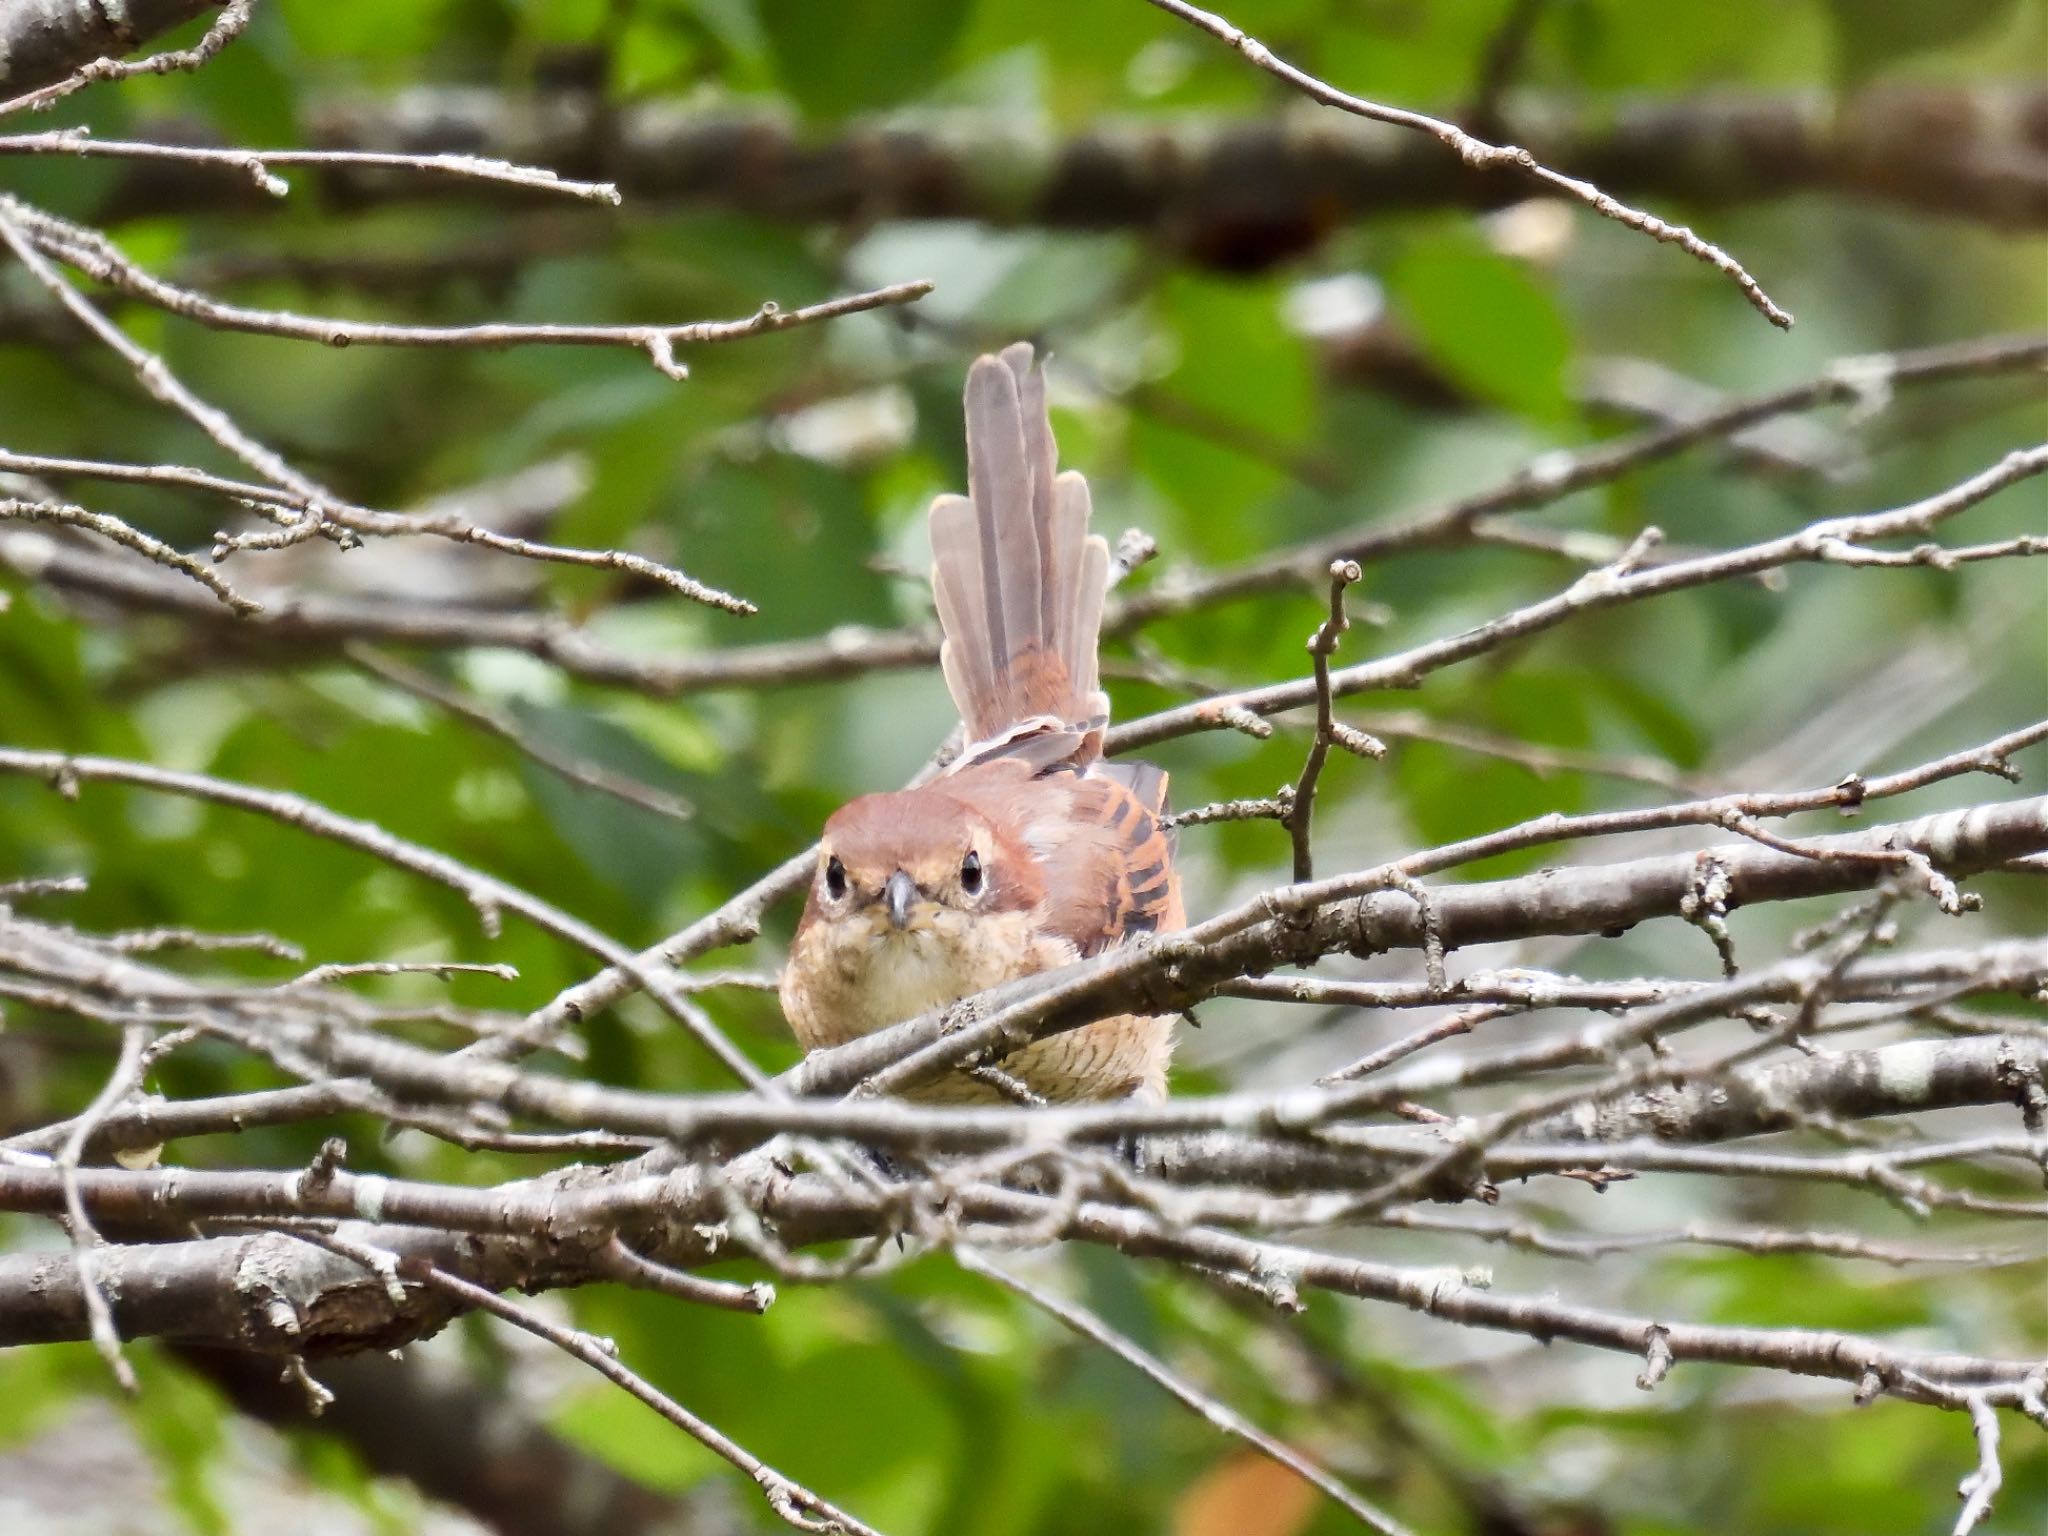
127,1073
1981,1486
114,530
256,163
1477,152
487,894
1322,645
499,723
792,1502
227,26
1214,1410
97,257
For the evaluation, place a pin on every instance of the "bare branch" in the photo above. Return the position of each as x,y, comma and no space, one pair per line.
1246,192
1981,1486
257,163
190,1282
1322,645
1218,1413
63,46
96,256
1833,540
149,369
794,1503
487,894
1864,381
116,531
1477,152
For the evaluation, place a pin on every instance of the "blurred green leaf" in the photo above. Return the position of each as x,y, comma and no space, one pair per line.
1872,35
860,54
183,1425
1216,432
1485,321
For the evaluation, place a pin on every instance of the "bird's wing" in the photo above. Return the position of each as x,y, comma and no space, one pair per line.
1105,857
1127,802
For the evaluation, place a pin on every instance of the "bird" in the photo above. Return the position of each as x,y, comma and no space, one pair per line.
1031,850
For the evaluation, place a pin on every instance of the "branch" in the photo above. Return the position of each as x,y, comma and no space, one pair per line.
1837,540
1849,1085
265,1291
1355,914
1237,193
115,531
299,621
324,621
257,163
487,894
44,41
301,1027
1477,152
97,257
1322,645
1868,381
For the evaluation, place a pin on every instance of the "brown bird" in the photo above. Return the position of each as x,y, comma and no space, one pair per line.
1030,851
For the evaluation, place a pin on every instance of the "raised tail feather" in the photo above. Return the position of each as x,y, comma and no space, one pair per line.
1018,579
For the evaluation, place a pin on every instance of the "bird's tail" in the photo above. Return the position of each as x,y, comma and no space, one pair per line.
1018,579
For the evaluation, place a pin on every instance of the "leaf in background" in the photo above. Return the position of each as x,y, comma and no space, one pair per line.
249,92
627,1435
557,22
389,34
635,850
1452,794
1239,401
790,533
182,1423
1124,1399
1485,321
1626,45
1870,35
37,1385
860,54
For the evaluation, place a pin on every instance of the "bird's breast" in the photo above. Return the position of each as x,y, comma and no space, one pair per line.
849,979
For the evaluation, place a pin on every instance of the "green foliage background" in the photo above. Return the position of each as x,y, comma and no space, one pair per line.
925,1401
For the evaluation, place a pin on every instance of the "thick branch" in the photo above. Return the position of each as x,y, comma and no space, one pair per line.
42,41
1233,1140
1848,1085
267,1287
1240,194
1175,973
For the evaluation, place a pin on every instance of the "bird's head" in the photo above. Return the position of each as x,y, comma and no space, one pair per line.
909,862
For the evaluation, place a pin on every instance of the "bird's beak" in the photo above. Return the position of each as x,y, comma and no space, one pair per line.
901,894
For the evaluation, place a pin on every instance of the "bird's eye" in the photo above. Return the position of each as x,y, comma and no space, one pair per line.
835,878
970,873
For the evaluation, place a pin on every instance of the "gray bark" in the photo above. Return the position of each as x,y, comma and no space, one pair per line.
42,41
